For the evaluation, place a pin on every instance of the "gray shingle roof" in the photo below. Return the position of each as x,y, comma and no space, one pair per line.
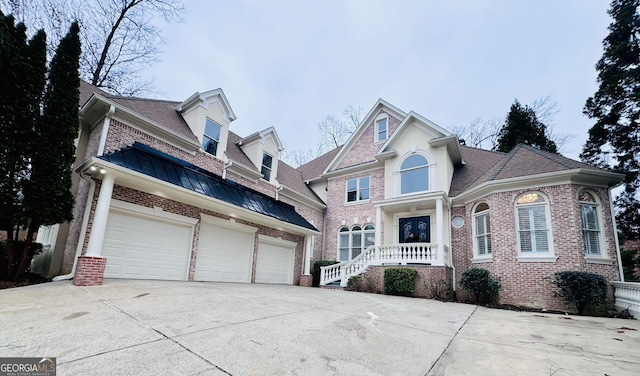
313,169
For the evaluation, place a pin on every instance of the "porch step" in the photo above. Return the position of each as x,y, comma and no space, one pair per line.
333,285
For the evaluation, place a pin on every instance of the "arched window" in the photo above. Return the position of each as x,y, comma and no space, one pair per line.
351,242
482,230
590,223
533,224
414,174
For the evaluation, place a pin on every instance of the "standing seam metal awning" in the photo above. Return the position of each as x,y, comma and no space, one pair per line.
154,163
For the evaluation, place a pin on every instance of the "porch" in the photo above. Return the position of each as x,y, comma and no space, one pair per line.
387,254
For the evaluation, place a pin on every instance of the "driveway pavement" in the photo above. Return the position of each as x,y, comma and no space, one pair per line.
130,327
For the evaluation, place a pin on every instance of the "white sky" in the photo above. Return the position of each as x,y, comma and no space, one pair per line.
289,64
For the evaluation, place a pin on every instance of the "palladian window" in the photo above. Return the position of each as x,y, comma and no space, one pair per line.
351,242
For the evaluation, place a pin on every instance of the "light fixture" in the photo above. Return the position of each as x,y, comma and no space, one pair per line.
93,168
103,171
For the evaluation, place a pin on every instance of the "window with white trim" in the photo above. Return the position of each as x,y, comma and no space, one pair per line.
533,224
211,137
358,189
267,164
382,129
414,174
482,231
351,242
590,223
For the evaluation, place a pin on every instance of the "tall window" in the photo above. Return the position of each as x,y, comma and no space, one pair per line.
414,174
211,137
381,130
351,242
358,189
267,163
590,223
533,227
482,230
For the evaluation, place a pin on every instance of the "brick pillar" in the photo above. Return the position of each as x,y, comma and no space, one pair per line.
89,271
306,280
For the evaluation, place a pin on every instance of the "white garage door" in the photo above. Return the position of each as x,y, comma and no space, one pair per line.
224,255
139,247
274,263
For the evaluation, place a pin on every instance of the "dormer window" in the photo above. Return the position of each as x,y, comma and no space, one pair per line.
267,166
211,137
381,129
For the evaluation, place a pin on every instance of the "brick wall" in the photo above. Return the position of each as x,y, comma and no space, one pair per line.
431,281
340,211
89,271
530,284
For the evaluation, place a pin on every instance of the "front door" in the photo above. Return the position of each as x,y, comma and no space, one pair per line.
418,226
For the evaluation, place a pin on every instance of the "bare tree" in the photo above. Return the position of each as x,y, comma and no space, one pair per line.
120,38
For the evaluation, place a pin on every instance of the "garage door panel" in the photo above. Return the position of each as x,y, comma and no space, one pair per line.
224,255
274,264
146,248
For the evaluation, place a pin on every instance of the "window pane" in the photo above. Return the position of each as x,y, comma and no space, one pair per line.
210,146
351,196
539,217
212,130
542,242
267,160
589,217
523,219
592,242
352,185
344,240
525,241
414,180
364,194
344,254
266,173
413,161
364,182
382,129
482,246
480,225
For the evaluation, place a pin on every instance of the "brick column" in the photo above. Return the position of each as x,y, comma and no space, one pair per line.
89,271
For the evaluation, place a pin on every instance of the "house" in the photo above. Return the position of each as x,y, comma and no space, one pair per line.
166,190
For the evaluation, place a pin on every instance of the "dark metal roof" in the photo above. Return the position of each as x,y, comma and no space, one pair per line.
151,162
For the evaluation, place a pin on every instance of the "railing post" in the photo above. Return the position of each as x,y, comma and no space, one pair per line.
343,276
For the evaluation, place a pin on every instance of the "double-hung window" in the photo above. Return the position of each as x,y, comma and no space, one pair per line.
482,229
211,137
590,223
351,242
358,189
533,224
267,166
381,130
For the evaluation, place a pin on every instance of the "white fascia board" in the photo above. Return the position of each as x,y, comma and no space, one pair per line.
242,170
575,176
453,147
295,195
145,183
199,98
146,125
275,136
381,103
368,166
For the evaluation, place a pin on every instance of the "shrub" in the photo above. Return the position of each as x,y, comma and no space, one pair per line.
439,289
581,288
35,249
630,261
353,284
400,281
480,285
316,270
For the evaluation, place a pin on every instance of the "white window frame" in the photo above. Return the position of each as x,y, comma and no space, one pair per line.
365,233
206,137
358,190
601,257
399,171
486,214
270,168
379,119
535,256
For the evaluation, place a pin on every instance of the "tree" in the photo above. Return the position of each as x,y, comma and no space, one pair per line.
119,37
522,126
614,139
38,127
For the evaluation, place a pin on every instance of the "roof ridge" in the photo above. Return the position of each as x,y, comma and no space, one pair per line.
500,165
555,157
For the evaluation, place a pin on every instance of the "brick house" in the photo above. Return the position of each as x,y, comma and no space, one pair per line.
165,190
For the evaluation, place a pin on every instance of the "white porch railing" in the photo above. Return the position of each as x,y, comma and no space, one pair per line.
388,254
628,297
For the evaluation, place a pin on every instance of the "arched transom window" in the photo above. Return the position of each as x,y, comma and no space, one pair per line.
414,174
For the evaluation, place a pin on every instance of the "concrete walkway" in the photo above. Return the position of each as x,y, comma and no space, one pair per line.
187,328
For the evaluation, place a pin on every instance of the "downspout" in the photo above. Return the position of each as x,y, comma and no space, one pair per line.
224,169
615,236
278,189
83,230
453,268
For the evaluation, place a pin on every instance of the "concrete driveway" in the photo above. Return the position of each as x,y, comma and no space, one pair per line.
130,327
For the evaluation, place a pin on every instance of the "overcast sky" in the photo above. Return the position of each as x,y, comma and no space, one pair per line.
289,64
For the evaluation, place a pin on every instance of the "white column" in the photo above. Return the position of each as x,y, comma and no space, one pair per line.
440,230
94,248
308,249
378,233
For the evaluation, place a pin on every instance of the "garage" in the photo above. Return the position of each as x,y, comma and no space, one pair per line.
225,251
140,246
274,263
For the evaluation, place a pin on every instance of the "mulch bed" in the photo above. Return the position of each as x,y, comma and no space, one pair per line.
26,280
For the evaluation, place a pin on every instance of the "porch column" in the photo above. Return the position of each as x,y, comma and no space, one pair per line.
306,279
378,233
440,230
99,226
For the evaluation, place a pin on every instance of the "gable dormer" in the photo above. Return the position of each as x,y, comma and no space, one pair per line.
209,115
263,149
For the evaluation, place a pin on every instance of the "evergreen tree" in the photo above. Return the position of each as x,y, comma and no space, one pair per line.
614,139
37,133
523,127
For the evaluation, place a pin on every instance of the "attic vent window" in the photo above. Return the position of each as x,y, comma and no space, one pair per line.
381,130
211,137
267,163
